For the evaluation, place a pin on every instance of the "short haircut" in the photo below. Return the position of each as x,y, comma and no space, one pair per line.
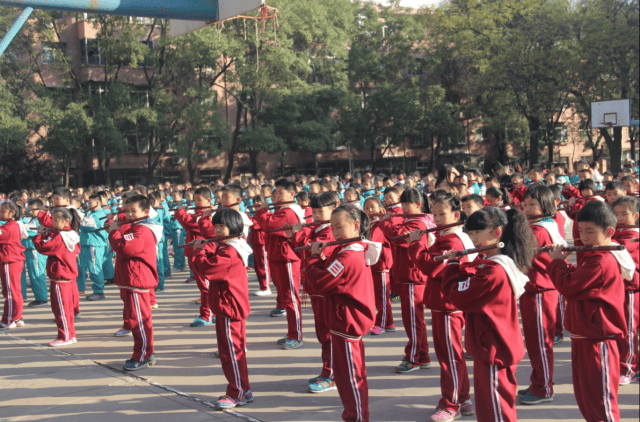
598,213
230,218
335,195
544,196
475,198
94,197
517,176
62,192
614,184
325,199
102,194
391,190
629,202
303,195
35,201
142,190
627,178
536,168
141,200
314,182
286,184
350,191
588,184
203,191
234,189
556,190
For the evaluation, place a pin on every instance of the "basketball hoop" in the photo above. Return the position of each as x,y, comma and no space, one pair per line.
265,13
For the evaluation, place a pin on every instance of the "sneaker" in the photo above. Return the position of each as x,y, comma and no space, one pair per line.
122,333
425,365
395,298
531,398
466,408
159,290
282,340
262,292
108,281
278,312
558,339
444,415
10,326
38,303
467,356
59,343
322,386
77,316
134,365
624,380
376,331
81,293
95,296
406,367
391,328
292,344
226,402
19,323
635,377
199,322
523,391
314,379
190,280
198,301
216,354
154,306
248,396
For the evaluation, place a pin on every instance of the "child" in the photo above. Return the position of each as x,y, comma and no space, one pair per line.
498,197
285,264
345,282
36,263
351,197
471,203
136,275
178,234
392,206
594,292
487,290
539,303
302,199
613,190
12,261
155,199
93,249
630,185
322,205
518,188
61,245
411,282
225,268
380,271
626,209
260,261
448,321
587,189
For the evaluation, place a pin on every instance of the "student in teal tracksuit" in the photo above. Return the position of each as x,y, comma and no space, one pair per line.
178,234
109,205
93,249
158,219
36,263
166,222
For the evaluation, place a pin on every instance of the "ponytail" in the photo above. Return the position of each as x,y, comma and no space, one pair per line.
500,192
356,215
13,206
453,202
70,214
414,196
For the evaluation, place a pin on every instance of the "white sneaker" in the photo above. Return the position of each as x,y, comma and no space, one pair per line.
154,306
9,326
262,292
59,343
19,323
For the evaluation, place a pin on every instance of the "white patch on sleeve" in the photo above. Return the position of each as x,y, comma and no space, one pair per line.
335,268
129,237
0,231
464,285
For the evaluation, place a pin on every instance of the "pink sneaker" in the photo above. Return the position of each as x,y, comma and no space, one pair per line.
625,380
59,343
466,408
391,328
376,331
443,415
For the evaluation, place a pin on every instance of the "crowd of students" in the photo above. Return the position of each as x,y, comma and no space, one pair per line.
480,251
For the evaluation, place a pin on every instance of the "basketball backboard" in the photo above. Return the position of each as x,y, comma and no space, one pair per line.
226,9
616,113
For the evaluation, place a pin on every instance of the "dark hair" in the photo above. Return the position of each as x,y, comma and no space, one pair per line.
102,194
517,175
234,189
230,218
505,180
588,184
629,177
335,195
70,214
142,190
95,196
414,196
35,201
556,190
155,196
287,185
314,182
475,198
598,213
630,202
303,195
350,190
454,204
15,208
62,192
545,198
141,200
613,185
203,191
128,194
391,190
536,168
444,172
497,169
499,192
356,215
324,199
519,240
258,198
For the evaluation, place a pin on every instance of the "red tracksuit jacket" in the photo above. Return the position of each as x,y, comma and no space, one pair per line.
11,249
228,283
61,262
135,251
406,270
539,279
594,291
279,249
347,286
421,256
385,262
572,192
309,235
190,224
575,210
624,236
256,234
483,291
518,194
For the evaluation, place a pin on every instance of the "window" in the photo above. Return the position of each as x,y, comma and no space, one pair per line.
479,137
148,57
137,144
90,52
561,135
141,96
52,52
210,175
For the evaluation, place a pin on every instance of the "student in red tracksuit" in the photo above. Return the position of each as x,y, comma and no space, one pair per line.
626,209
225,266
594,292
202,200
136,274
12,261
61,246
487,291
448,321
285,264
345,281
260,261
587,189
412,282
560,218
392,206
539,303
322,206
380,271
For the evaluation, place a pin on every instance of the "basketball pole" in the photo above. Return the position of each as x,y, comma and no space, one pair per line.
15,28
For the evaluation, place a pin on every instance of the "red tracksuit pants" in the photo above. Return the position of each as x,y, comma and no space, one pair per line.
232,340
261,265
495,392
203,286
62,304
628,347
417,349
323,334
595,366
279,300
76,298
560,316
538,311
382,289
10,275
351,378
286,275
447,343
137,316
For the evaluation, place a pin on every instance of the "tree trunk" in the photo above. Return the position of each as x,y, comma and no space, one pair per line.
315,162
615,148
66,176
373,158
192,170
235,141
253,161
534,126
632,141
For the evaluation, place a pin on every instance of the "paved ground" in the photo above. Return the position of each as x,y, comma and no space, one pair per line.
84,381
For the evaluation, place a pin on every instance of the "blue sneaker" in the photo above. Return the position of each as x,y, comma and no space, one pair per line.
248,396
530,398
122,333
134,365
292,344
226,402
282,340
77,316
636,377
314,380
322,386
199,322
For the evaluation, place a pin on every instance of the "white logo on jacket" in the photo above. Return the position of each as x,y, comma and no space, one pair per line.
464,285
129,237
335,268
